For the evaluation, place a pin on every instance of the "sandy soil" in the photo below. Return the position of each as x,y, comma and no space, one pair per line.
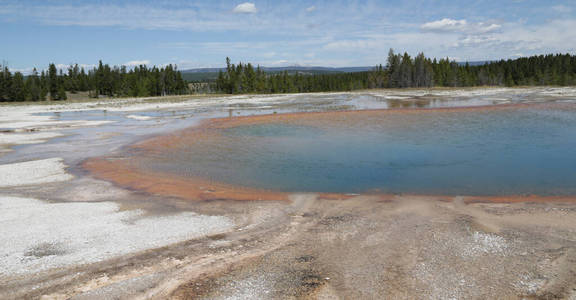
68,235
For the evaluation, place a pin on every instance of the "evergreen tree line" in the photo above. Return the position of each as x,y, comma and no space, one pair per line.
401,71
52,84
244,78
404,71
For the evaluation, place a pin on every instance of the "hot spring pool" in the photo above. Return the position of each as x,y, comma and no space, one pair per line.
508,151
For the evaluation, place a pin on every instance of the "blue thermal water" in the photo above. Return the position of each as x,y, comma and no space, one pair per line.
514,151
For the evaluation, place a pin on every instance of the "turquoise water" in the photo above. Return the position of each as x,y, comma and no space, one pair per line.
502,152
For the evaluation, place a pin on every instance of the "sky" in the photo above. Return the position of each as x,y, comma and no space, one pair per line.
335,33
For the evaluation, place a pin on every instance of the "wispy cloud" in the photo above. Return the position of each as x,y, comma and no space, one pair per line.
129,16
283,18
562,9
473,40
450,25
132,16
336,32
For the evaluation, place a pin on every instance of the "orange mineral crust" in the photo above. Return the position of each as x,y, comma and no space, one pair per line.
125,175
126,171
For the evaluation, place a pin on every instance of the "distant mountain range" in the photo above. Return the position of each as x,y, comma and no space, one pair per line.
289,68
207,74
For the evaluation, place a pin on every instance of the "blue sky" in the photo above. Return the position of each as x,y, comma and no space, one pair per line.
278,33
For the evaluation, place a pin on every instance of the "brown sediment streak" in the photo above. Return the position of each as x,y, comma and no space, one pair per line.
126,173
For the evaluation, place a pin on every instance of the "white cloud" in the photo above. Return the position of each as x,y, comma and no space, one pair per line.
486,43
311,8
519,39
245,8
445,25
450,25
64,67
134,63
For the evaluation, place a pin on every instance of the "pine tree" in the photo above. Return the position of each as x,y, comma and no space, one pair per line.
73,79
53,82
5,84
422,74
18,90
393,67
62,93
406,69
34,87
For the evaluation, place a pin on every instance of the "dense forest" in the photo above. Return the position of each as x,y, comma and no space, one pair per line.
400,71
404,71
244,78
103,80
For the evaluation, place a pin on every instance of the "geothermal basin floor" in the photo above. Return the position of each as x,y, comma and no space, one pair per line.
70,235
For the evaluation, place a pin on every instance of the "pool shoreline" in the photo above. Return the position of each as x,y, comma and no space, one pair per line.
125,173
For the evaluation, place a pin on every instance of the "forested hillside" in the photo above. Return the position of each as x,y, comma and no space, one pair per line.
103,80
401,71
